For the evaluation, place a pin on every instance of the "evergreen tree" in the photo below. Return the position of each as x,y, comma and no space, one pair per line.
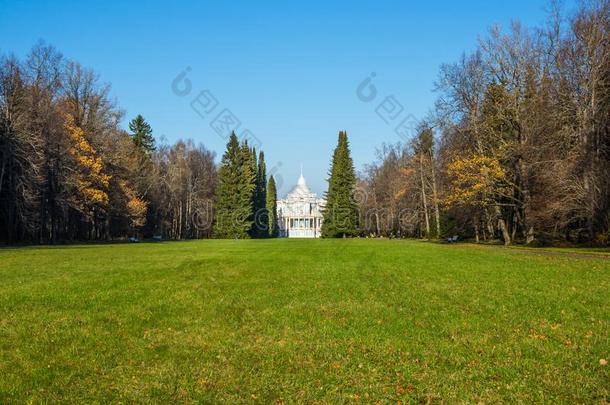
233,209
261,198
341,211
272,208
251,162
141,134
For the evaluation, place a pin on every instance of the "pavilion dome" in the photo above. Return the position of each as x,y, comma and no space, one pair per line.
301,189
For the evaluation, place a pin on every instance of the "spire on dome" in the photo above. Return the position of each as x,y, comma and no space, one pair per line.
301,188
301,182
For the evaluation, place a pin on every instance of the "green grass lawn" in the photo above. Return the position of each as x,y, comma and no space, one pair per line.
302,321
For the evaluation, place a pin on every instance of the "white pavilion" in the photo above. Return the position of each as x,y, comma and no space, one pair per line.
300,213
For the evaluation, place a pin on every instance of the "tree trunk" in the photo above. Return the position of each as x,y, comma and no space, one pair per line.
423,194
489,223
377,223
529,238
476,229
502,226
437,214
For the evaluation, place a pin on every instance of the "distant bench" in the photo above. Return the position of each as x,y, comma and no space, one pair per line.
453,239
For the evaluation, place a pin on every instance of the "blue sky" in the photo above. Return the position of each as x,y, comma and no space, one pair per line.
288,71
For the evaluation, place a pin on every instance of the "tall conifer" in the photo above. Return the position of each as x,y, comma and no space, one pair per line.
341,211
272,208
261,198
251,167
234,193
141,134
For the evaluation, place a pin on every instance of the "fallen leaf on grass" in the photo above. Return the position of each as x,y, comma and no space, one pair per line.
538,336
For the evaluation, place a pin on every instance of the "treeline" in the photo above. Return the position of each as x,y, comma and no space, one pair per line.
517,147
69,172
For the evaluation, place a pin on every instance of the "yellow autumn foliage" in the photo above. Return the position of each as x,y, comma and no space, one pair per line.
92,182
475,180
136,207
405,172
